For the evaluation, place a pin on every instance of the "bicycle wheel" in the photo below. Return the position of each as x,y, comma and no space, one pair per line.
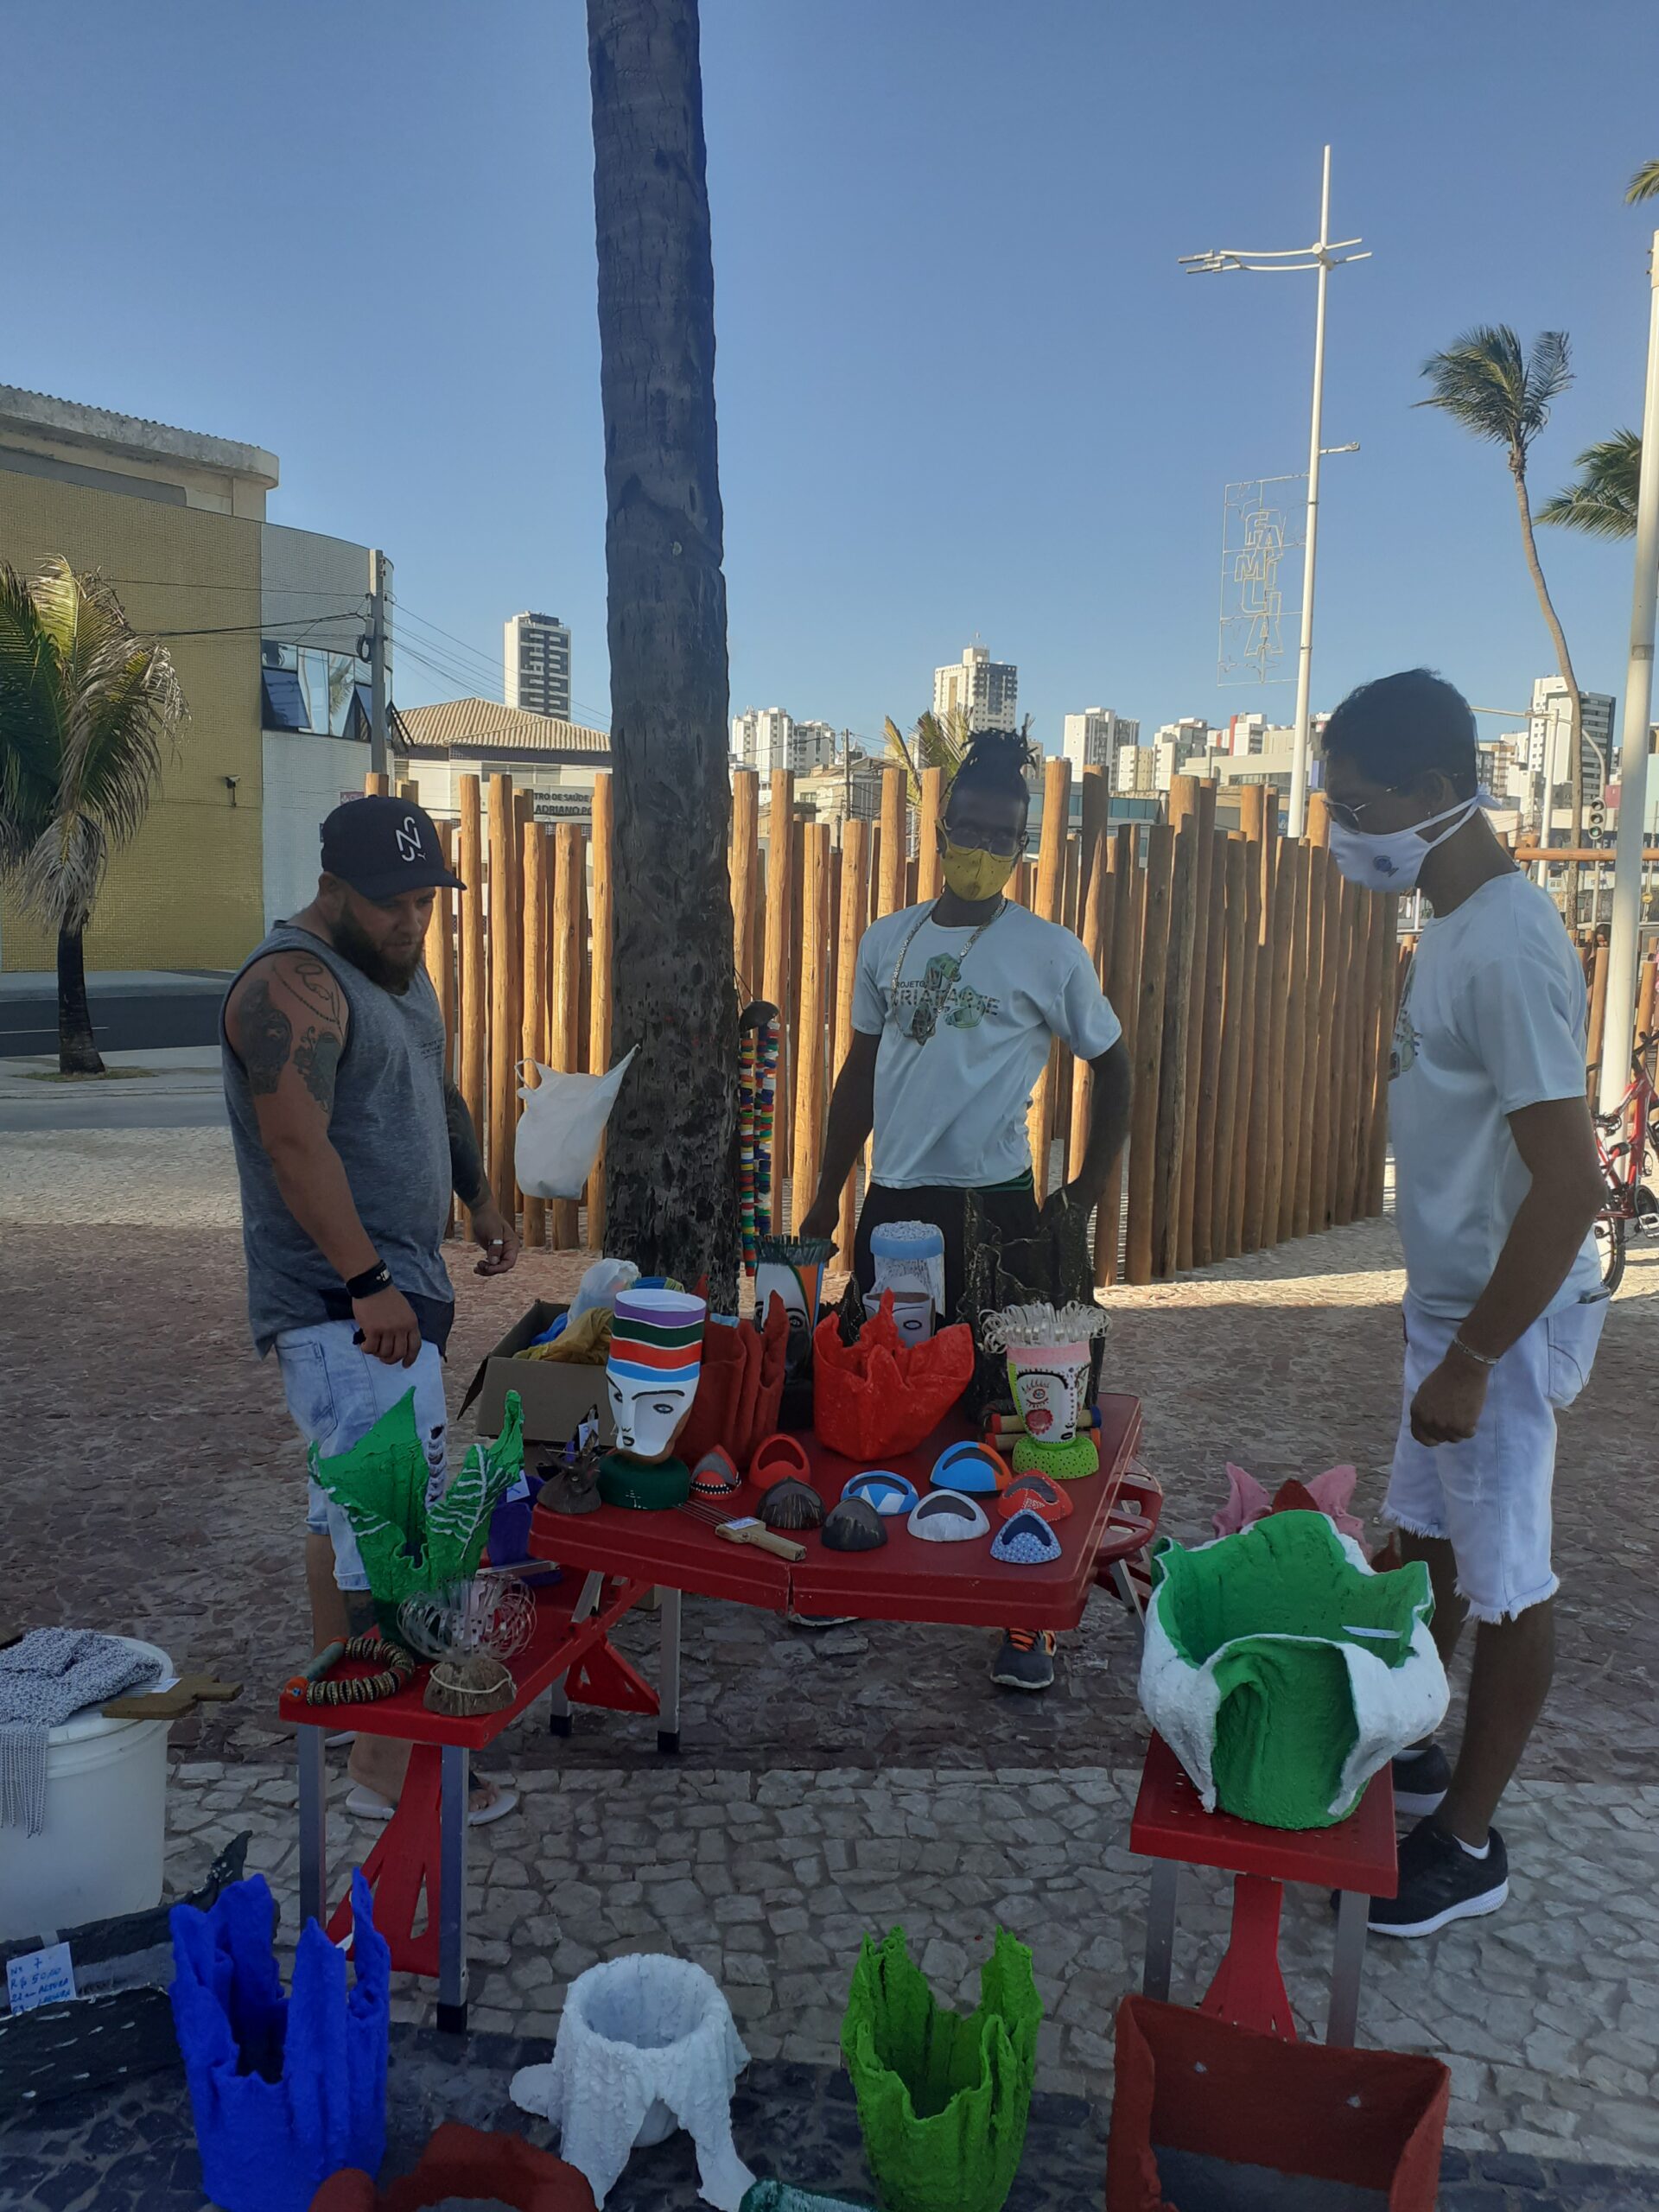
1610,1249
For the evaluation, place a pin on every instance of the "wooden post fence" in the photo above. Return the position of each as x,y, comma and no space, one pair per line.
1148,1050
533,858
504,1023
1172,1077
474,976
775,983
1206,1119
1051,887
564,995
746,872
850,925
809,1093
928,881
1234,1029
1122,988
599,1053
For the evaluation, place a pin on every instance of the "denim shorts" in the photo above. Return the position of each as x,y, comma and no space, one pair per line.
336,1392
1491,1495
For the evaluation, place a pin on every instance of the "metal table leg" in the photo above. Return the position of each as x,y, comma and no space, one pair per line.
313,1827
1131,1597
668,1688
1353,1909
559,1722
1160,1927
452,1890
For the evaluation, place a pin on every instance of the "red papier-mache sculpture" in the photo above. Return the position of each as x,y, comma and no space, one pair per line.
877,1398
461,2165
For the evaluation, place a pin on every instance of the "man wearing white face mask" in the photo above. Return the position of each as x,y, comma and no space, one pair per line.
1497,1185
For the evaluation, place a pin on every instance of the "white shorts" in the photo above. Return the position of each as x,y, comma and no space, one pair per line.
336,1392
1490,1495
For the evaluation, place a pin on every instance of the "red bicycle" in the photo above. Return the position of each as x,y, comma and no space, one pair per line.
1627,1142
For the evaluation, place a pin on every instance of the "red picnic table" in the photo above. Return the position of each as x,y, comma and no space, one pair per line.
422,1849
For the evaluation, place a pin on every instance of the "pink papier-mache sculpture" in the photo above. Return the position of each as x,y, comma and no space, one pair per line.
1248,1502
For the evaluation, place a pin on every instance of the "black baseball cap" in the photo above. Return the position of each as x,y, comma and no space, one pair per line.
384,846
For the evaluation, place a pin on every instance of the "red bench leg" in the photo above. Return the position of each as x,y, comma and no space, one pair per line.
1248,1989
403,1866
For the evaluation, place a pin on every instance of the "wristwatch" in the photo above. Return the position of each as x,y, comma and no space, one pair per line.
377,1278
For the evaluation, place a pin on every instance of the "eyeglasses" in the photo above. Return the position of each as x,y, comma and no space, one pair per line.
1003,843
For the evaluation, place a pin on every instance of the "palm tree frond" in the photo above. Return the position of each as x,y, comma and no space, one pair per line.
1644,185
1486,385
1601,500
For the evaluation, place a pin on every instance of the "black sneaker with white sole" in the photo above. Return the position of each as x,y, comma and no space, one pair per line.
1421,1778
1441,1882
1025,1661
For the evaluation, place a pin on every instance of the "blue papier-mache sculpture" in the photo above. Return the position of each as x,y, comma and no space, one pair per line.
284,2090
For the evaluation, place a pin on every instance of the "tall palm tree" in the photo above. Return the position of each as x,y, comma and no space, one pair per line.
1644,185
87,709
1601,500
1486,383
936,742
672,1159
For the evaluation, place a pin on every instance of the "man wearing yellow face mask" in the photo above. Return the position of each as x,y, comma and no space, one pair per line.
955,1005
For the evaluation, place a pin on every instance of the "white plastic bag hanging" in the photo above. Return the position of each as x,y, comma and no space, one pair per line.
559,1131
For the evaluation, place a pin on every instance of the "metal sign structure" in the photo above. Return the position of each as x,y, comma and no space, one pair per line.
1260,529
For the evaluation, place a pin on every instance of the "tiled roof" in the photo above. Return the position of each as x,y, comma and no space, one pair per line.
486,726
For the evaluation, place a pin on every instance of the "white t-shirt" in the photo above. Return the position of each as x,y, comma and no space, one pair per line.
964,1036
1493,1017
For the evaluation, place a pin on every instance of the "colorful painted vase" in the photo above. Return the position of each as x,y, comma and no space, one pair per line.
652,1375
1050,1388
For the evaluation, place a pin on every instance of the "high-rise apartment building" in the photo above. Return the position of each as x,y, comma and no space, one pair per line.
536,665
1191,737
1134,773
766,738
986,690
1549,735
1093,739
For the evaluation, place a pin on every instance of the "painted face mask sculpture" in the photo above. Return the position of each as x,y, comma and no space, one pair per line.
652,1375
1048,1354
793,1268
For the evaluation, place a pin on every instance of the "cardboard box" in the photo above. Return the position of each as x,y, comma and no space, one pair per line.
556,1397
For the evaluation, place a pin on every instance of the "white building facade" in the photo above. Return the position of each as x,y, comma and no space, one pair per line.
1550,735
768,740
1095,738
535,665
987,691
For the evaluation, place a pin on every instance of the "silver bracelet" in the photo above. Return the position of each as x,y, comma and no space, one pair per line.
1469,1352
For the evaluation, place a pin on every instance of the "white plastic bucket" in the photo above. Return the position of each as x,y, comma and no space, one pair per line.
99,1850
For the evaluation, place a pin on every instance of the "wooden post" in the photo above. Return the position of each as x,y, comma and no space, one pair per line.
928,881
1234,859
504,1027
745,870
1647,995
1251,1070
832,968
1370,1047
791,1038
1096,811
808,1078
1290,865
1331,985
1095,927
375,786
852,922
1149,1049
1314,1045
564,995
411,791
533,858
1262,1082
1356,934
893,840
1598,1043
475,974
439,951
1203,1118
775,985
1282,1197
1199,808
1050,890
1122,988
599,1016
1072,918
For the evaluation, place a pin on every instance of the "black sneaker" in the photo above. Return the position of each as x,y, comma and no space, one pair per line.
1440,1883
1025,1661
1421,1778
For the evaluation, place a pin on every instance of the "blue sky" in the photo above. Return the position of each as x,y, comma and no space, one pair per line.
963,388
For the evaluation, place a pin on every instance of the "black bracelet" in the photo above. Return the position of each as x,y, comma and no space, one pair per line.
377,1278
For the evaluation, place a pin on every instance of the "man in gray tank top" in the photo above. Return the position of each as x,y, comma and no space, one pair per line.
349,1138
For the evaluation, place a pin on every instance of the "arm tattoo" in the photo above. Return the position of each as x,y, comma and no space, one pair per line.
310,980
315,1059
466,1161
267,1038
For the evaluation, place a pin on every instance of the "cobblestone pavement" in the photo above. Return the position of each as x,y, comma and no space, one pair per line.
833,1784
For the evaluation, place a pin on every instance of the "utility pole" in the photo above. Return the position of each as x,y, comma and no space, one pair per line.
1624,934
379,645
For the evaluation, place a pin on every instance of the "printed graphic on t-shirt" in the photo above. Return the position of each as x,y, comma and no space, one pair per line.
1403,1050
919,1007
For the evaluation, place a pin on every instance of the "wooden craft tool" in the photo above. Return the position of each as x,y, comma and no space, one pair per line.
174,1704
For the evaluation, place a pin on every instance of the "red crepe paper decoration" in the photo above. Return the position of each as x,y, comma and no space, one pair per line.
463,2164
877,1398
740,1389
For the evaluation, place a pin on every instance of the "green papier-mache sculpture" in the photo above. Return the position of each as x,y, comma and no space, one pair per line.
1283,1672
943,2099
410,1546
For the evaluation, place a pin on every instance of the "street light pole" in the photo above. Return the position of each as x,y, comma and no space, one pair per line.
1626,919
1323,255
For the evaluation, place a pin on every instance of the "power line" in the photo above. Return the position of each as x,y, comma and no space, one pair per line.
253,629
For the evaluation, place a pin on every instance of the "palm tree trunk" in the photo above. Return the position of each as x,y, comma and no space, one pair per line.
1576,706
673,1155
76,1054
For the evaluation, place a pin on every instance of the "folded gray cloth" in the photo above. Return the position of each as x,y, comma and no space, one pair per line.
44,1681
